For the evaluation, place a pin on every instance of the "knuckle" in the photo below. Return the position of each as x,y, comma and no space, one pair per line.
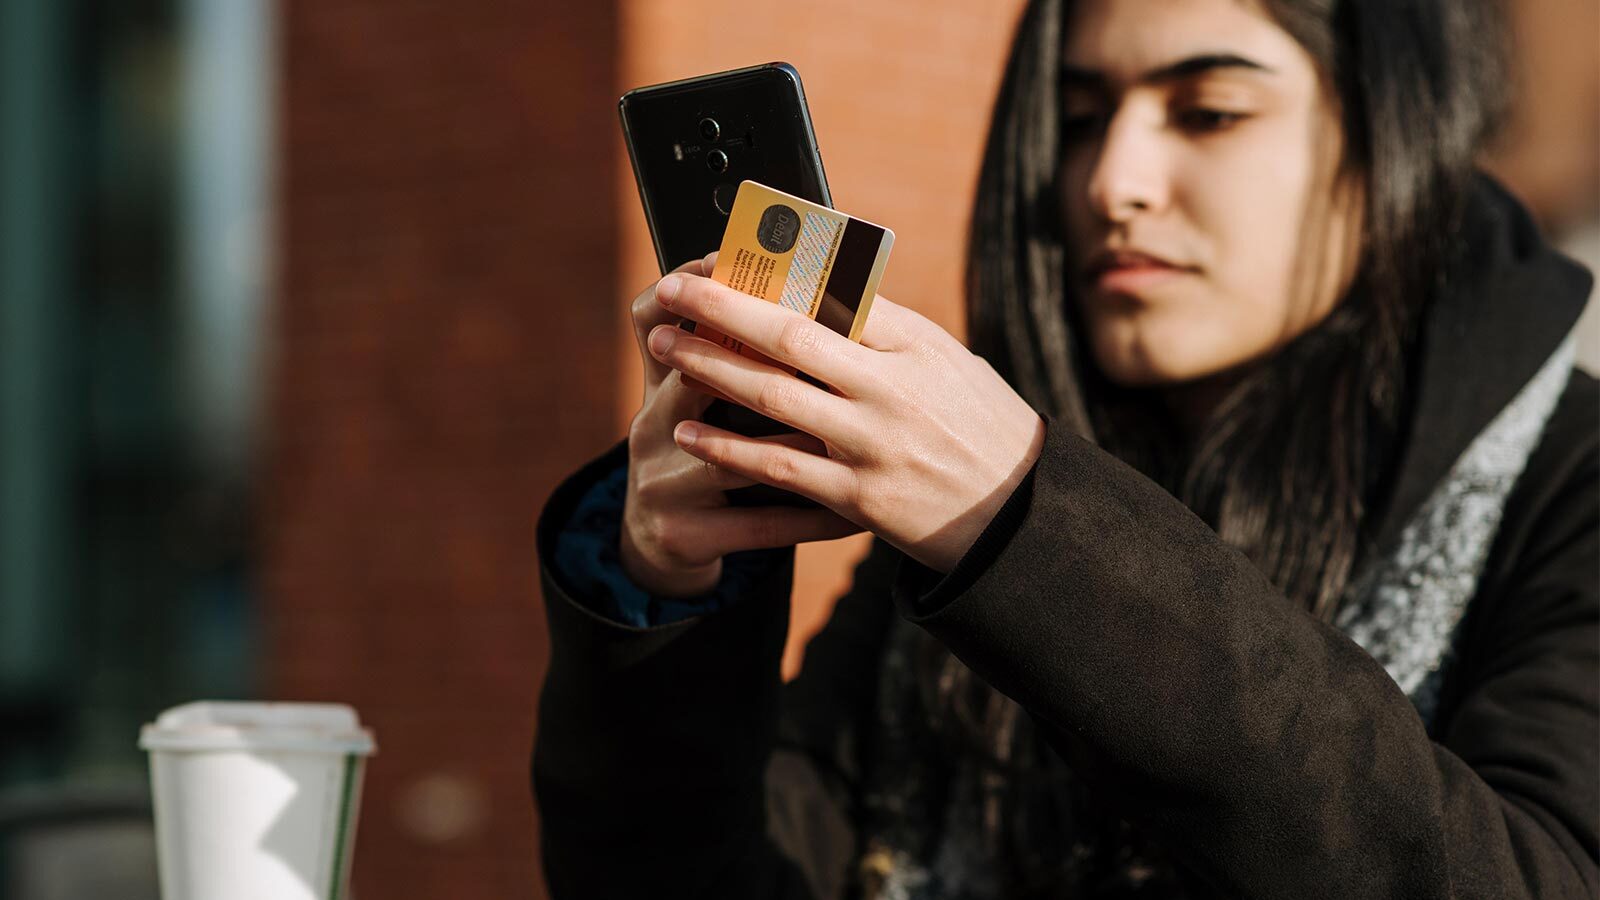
675,549
638,434
645,437
671,548
926,350
777,397
648,488
662,537
777,468
643,310
798,339
708,297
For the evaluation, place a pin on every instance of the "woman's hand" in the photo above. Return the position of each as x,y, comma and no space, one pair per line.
924,440
676,522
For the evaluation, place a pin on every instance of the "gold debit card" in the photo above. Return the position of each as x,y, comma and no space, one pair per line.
814,260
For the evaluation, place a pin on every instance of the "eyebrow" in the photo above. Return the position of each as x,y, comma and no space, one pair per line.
1183,68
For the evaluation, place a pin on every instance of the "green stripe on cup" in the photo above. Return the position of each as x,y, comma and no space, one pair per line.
336,889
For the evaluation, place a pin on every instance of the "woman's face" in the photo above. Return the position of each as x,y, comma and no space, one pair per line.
1208,221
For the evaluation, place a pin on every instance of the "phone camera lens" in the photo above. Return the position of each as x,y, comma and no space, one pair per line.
709,129
717,160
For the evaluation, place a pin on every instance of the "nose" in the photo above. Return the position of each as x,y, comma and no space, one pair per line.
1130,174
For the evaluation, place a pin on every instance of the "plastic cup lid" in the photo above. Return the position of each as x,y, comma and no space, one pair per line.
229,725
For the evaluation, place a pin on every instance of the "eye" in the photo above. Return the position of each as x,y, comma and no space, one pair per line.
1081,126
1201,119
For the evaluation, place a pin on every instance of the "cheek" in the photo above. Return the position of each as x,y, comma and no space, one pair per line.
1249,204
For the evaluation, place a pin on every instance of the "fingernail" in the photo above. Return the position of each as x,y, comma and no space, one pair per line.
661,339
667,289
687,433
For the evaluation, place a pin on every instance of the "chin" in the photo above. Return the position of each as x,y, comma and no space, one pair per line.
1144,357
1136,364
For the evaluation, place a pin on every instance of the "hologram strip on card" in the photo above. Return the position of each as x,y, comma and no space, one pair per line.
813,253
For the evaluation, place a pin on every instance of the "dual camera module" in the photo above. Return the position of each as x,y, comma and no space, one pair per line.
716,160
723,195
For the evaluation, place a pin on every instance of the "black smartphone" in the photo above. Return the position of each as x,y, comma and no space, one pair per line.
691,142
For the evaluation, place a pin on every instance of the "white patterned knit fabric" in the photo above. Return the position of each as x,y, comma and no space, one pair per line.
1410,602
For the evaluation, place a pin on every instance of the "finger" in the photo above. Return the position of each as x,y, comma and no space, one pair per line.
678,400
825,480
756,386
691,481
695,384
718,532
889,325
799,440
696,478
647,314
771,329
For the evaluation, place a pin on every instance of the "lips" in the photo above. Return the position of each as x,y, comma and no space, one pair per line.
1127,271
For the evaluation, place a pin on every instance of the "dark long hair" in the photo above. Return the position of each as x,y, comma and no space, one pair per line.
1295,457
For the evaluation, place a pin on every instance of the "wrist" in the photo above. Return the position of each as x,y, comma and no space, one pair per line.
970,527
664,579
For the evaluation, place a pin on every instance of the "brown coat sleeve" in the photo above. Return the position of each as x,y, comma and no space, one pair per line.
671,761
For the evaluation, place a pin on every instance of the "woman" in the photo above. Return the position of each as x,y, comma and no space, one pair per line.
1251,552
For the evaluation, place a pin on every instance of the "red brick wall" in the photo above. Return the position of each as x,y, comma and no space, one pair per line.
446,230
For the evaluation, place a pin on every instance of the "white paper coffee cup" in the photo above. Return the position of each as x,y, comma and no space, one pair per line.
256,800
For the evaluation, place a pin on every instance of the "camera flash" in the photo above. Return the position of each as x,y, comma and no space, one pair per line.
677,152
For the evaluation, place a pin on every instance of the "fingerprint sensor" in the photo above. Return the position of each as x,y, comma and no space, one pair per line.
723,197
